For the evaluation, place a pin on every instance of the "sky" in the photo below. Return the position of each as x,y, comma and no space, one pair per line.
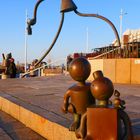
73,37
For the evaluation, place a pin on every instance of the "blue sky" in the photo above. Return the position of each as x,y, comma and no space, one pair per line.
73,35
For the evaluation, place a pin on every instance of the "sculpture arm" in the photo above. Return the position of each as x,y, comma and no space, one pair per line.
127,125
66,101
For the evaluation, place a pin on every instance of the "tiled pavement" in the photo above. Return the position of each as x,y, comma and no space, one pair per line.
45,95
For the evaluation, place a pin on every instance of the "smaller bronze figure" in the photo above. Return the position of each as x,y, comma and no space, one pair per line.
102,88
104,121
118,103
78,97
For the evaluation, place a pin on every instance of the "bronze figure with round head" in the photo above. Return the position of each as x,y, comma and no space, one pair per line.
102,88
79,94
80,69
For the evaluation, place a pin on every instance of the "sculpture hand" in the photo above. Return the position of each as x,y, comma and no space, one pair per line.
79,134
65,108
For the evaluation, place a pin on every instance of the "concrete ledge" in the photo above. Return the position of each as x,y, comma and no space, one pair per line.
46,128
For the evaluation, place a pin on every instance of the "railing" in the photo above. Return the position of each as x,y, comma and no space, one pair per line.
39,68
98,56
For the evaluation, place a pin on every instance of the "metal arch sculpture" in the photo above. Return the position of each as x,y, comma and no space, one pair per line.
104,19
32,22
66,6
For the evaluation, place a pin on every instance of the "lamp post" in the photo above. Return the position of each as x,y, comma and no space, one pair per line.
121,25
121,16
87,43
25,67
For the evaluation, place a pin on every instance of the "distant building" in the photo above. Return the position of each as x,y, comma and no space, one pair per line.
129,36
130,48
133,35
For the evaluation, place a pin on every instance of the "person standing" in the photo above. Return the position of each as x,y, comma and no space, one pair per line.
12,68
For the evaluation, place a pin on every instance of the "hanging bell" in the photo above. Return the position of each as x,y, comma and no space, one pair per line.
67,6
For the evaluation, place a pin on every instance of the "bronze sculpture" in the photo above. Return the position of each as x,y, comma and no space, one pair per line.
79,93
102,88
103,121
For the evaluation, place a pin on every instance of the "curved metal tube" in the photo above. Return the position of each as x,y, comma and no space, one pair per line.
56,37
103,18
35,9
33,20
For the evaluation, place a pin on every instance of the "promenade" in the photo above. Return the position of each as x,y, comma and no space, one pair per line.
44,96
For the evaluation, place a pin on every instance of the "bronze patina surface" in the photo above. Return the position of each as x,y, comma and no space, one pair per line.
102,88
78,97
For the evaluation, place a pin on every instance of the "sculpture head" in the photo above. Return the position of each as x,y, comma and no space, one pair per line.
79,69
102,88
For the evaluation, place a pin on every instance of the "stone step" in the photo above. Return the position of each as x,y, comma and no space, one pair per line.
11,129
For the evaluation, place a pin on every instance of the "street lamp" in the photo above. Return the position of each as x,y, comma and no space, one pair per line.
25,67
